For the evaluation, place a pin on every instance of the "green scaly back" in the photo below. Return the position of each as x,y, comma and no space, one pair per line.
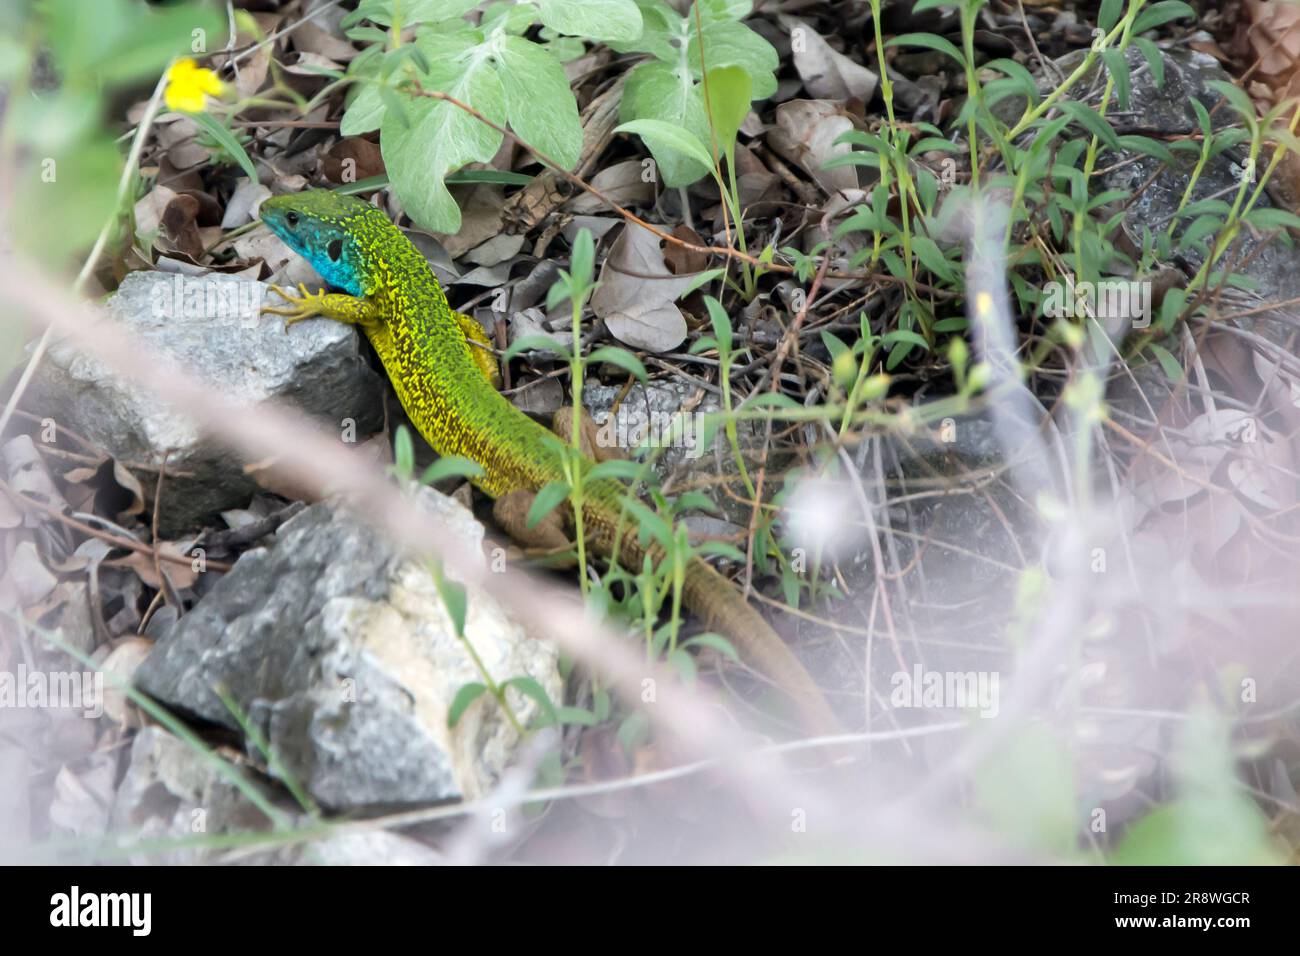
397,301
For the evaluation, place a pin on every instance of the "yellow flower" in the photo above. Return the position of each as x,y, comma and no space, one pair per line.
187,84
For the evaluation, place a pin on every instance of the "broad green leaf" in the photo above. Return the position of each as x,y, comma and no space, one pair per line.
721,324
682,662
539,102
490,176
576,715
1237,98
701,278
455,598
617,468
55,122
932,258
634,731
1022,76
907,336
660,26
403,452
1108,16
65,212
711,10
1200,228
1117,66
444,43
442,137
616,21
728,91
1155,59
715,641
1173,369
535,343
1273,219
659,132
727,43
119,41
582,259
1090,120
512,19
1148,147
1213,821
655,92
1171,309
413,11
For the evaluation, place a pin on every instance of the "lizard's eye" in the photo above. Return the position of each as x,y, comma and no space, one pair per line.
291,218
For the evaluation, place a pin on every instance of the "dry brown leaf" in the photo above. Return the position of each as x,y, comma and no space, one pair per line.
352,159
1275,38
637,294
682,261
121,663
181,576
628,183
26,574
129,483
827,74
805,134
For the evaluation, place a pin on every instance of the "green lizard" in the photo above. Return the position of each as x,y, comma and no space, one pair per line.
447,386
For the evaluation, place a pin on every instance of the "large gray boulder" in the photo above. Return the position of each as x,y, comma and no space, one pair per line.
341,653
209,324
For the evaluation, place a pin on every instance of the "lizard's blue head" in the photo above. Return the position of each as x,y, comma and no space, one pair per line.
331,232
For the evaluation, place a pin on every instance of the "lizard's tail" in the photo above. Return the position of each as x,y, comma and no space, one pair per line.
724,609
720,604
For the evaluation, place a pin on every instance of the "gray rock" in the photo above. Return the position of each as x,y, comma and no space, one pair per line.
1270,266
342,654
1187,76
171,791
211,325
364,848
651,412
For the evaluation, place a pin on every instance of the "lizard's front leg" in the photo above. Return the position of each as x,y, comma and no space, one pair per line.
328,305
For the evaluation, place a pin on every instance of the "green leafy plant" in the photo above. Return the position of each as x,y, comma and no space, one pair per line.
670,88
490,67
511,80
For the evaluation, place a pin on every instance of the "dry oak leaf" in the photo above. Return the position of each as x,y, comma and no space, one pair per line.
637,294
